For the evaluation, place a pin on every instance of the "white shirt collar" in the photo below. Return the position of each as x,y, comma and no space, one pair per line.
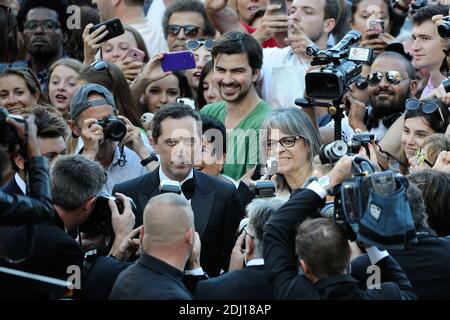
22,185
255,262
163,177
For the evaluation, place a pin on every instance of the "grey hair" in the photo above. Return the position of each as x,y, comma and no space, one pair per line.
75,179
417,205
293,121
259,212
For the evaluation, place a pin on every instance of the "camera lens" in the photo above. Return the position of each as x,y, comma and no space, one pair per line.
116,130
444,30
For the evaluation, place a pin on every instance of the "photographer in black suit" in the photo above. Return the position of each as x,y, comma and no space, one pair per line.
250,282
323,251
177,139
15,209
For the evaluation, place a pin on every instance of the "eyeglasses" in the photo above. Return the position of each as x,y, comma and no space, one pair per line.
421,158
361,83
188,30
17,65
393,77
286,142
47,25
427,107
195,44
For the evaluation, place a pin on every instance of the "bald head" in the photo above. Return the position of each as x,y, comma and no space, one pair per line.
167,218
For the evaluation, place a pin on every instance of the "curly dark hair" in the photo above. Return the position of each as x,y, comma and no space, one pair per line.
60,6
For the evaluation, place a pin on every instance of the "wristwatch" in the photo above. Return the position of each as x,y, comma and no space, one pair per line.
397,5
151,158
324,182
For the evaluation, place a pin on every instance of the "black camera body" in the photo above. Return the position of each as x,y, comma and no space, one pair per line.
331,82
113,128
8,134
444,29
99,221
263,189
418,4
359,140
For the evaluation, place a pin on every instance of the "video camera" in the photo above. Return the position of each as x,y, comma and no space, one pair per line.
262,187
113,128
332,81
373,207
8,134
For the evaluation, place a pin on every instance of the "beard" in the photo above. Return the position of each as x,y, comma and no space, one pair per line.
241,95
43,52
386,106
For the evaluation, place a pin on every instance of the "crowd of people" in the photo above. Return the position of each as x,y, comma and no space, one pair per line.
124,180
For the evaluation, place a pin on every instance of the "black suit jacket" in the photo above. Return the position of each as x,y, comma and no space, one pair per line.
426,263
48,250
150,279
282,266
249,283
12,187
216,214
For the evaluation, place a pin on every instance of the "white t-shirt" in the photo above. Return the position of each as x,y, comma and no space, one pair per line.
283,76
153,37
155,13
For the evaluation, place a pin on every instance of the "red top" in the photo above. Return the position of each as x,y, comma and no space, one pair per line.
269,43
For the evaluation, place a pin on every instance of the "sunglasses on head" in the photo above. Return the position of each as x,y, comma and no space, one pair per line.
393,77
427,107
195,44
189,30
99,65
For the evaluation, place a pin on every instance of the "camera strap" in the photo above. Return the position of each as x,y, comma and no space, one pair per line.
122,158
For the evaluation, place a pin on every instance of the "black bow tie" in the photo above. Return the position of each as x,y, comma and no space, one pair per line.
188,188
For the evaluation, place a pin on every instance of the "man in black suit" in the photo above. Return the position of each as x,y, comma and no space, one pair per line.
323,251
51,133
167,240
176,137
427,262
249,283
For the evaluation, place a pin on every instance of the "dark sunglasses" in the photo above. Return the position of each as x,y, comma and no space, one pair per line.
47,25
195,44
18,65
427,107
188,30
393,77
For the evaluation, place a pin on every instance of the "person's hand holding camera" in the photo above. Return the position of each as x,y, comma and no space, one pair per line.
133,139
92,135
129,245
341,171
122,224
356,111
28,127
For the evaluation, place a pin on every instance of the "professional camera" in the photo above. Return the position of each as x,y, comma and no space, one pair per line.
99,221
373,207
359,140
332,152
8,134
444,29
113,128
263,188
343,65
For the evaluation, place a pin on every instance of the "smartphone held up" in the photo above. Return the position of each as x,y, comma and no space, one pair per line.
177,61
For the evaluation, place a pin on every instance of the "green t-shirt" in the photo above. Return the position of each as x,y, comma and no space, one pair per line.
243,140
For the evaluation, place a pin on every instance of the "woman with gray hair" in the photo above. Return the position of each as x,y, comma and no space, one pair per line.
292,140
